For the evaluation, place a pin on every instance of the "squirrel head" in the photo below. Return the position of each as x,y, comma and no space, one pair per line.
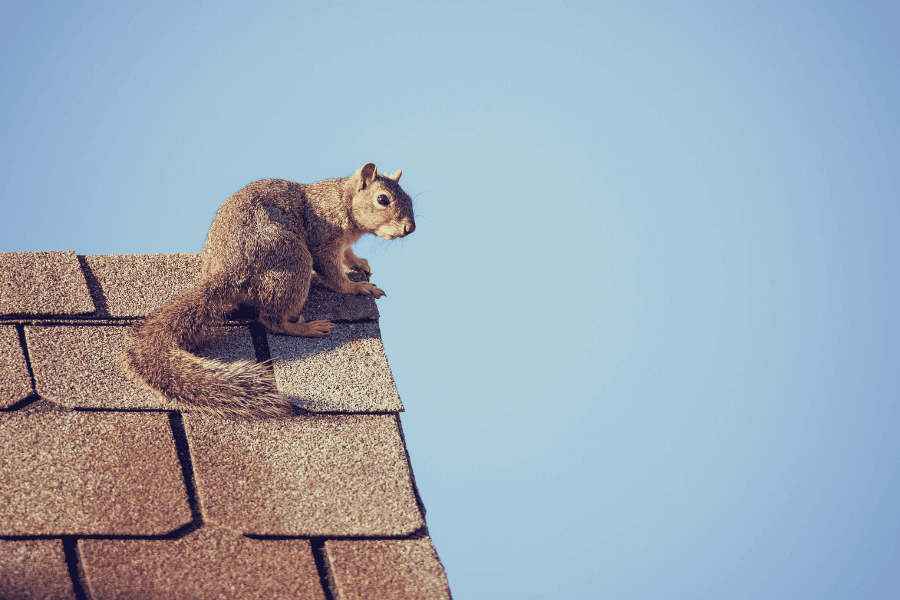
380,206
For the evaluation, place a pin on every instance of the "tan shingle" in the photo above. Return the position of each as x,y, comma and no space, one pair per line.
323,303
234,343
34,569
132,285
15,383
407,569
305,476
116,473
78,366
43,283
346,371
207,563
90,473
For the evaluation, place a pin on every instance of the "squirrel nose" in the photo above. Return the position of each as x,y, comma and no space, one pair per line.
408,228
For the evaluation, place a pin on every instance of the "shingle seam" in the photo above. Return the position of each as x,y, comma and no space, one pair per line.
29,538
175,534
100,409
44,319
61,322
21,404
299,410
187,471
73,562
33,396
340,320
95,287
23,343
325,578
260,343
412,476
354,321
415,535
344,413
194,526
98,322
24,317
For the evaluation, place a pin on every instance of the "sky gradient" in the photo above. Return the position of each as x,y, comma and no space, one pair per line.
646,329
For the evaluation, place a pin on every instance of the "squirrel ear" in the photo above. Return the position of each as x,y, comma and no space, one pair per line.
396,176
367,175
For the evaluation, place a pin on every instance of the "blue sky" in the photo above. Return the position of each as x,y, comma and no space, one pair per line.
645,331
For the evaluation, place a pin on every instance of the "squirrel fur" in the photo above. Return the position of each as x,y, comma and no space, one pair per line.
267,243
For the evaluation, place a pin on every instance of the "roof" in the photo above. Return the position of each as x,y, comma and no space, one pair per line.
111,492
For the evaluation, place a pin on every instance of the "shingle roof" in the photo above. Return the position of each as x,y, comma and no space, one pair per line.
109,491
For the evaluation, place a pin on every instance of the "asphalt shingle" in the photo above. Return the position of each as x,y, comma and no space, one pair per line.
346,371
43,283
366,569
304,476
90,473
323,303
34,569
87,452
207,563
78,366
132,285
15,383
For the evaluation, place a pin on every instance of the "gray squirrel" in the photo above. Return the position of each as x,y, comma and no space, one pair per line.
267,243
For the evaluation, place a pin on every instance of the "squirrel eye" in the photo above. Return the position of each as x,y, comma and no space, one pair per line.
383,200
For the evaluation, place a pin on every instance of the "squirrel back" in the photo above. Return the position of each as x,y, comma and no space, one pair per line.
266,245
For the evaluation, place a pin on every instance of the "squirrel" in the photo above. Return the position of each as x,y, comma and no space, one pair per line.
268,242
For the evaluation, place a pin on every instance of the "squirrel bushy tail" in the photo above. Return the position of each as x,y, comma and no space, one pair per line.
265,246
159,353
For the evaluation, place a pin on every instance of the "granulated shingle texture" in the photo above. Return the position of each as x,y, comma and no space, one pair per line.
346,371
15,383
133,285
229,345
304,476
102,477
323,303
208,563
89,473
78,366
34,569
407,569
43,283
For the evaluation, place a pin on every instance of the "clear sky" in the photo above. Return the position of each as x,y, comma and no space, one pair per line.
646,331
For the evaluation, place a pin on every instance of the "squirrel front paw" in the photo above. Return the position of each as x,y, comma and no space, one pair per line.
364,288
